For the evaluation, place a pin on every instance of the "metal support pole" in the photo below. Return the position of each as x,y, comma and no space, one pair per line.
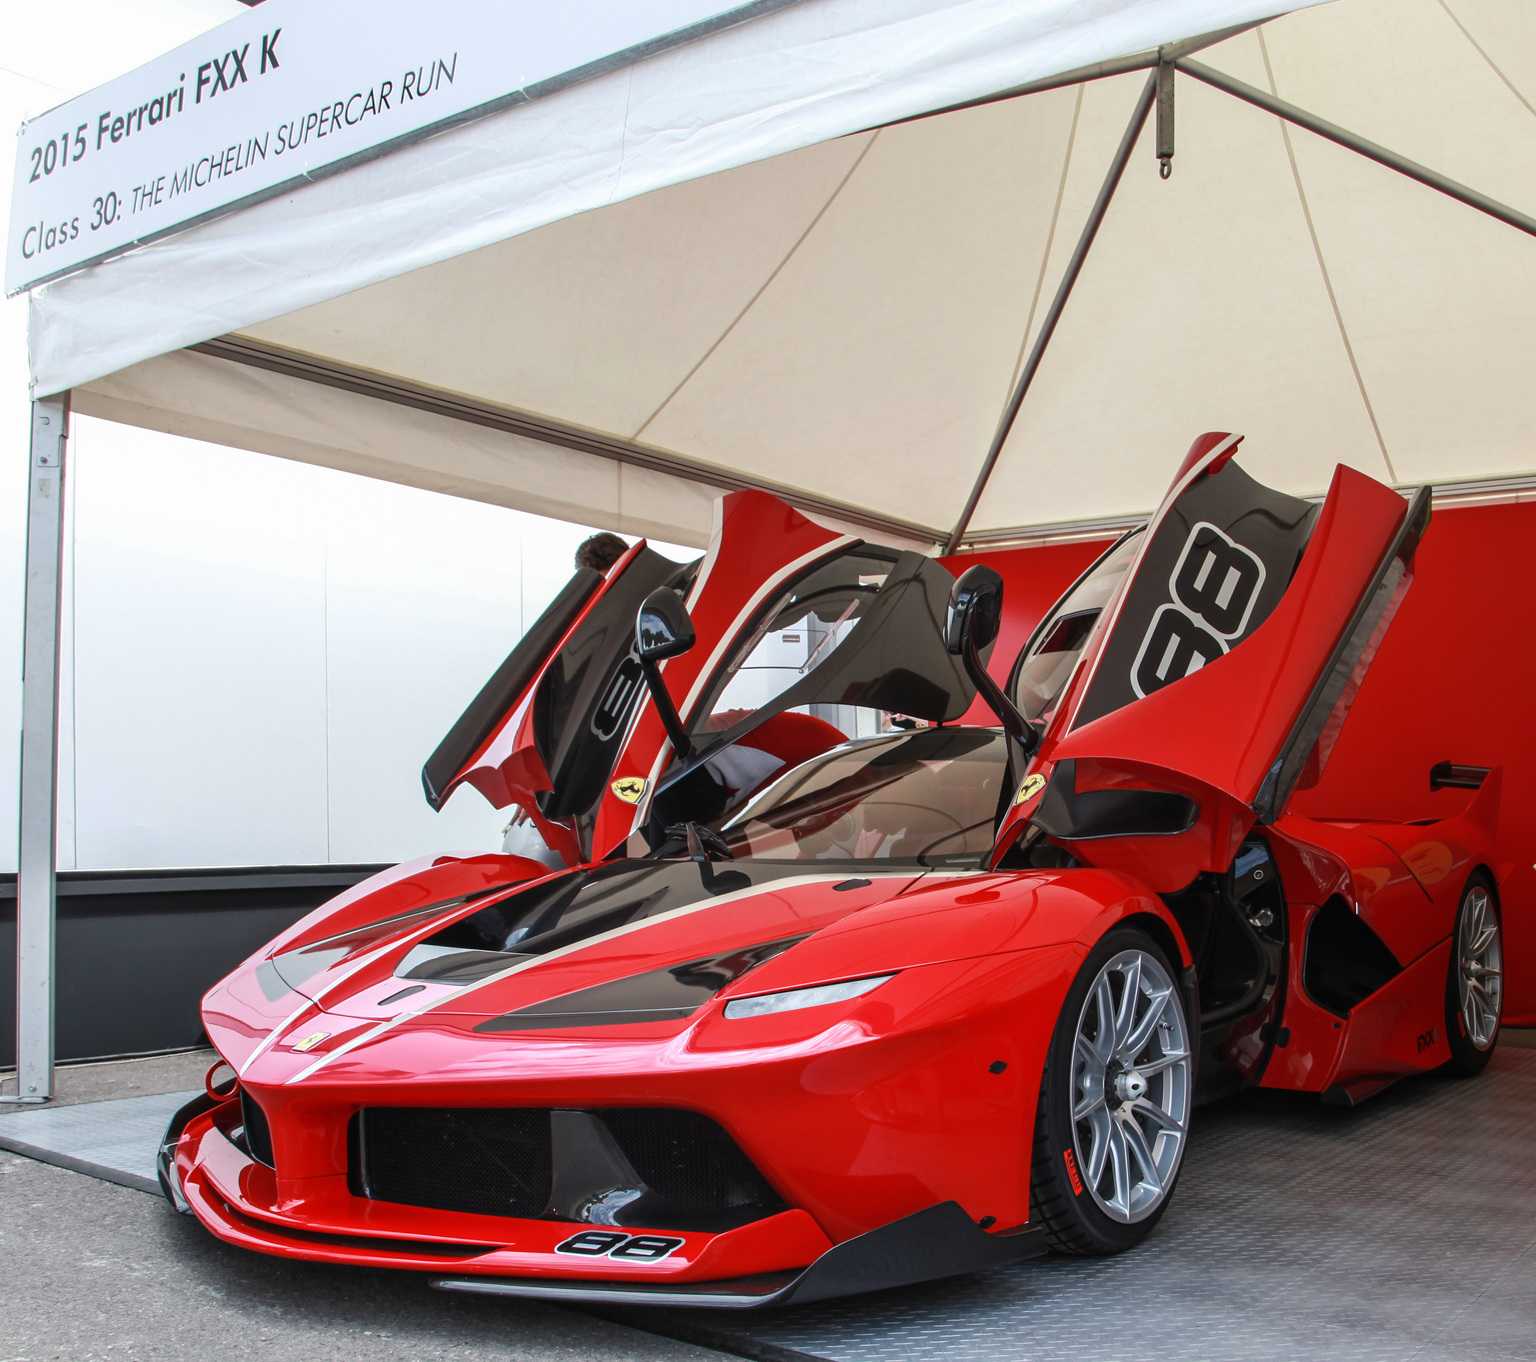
1165,118
1372,151
36,899
1080,75
1053,316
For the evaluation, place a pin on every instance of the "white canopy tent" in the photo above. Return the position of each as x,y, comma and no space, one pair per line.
909,262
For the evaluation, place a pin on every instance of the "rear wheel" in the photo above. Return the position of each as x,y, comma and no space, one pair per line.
1115,1100
1474,991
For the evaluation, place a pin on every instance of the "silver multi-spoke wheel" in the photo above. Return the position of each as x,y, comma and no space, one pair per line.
1132,1085
1479,967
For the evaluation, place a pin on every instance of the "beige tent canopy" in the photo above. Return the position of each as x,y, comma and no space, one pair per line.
860,252
845,321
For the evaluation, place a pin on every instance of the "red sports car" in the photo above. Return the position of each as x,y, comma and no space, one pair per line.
835,991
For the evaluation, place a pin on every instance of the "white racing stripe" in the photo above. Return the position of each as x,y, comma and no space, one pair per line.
772,887
281,1029
432,924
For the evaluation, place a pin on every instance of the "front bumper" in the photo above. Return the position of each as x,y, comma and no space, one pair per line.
202,1172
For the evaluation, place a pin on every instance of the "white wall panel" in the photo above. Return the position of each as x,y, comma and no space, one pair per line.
425,596
423,599
199,655
259,654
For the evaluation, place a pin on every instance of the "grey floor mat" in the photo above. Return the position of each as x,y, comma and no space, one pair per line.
115,1140
1404,1231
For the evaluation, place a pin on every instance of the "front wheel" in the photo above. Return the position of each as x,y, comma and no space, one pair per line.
1474,992
1115,1100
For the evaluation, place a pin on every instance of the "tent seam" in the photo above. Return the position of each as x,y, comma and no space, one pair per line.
1322,265
1492,65
1050,242
618,174
762,288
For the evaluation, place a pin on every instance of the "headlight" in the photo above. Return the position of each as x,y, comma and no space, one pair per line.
796,998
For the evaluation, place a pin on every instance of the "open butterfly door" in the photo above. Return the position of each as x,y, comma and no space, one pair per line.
1216,677
565,728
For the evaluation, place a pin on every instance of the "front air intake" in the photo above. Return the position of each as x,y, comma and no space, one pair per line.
479,1159
255,1134
653,1167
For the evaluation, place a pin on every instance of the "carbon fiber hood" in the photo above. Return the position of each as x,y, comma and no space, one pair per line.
650,939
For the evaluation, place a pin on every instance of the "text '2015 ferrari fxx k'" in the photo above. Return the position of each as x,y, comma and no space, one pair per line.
834,991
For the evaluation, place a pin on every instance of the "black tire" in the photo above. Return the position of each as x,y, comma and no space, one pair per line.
1468,1058
1060,1202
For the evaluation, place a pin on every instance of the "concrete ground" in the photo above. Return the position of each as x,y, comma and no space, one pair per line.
111,1078
91,1272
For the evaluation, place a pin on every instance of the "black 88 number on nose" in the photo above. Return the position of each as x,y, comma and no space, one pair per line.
1215,585
636,1248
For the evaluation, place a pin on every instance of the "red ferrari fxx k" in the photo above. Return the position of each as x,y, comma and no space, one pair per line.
835,991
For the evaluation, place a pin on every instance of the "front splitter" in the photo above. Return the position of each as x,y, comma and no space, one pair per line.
942,1241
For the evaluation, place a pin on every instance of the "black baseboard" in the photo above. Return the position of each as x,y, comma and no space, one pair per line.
137,949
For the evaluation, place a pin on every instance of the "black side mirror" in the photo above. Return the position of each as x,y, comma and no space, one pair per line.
662,626
975,610
663,630
971,624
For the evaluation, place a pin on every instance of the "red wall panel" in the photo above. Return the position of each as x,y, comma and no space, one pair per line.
1454,681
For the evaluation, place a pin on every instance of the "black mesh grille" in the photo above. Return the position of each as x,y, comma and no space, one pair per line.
682,1170
257,1134
691,1165
485,1160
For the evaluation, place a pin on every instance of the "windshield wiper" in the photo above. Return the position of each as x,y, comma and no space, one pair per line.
704,844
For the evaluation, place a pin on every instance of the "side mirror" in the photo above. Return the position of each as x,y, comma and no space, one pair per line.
662,626
975,611
663,630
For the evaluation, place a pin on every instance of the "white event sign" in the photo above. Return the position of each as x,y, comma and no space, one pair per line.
293,88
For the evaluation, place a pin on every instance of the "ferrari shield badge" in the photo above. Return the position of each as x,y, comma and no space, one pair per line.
307,1043
629,788
1030,788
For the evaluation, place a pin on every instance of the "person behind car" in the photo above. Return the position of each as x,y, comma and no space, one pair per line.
600,551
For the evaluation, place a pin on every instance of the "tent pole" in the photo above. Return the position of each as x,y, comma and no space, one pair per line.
1081,75
1058,303
37,882
1372,151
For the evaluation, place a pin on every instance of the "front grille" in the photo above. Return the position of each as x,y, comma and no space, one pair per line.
481,1159
654,1167
690,1164
256,1135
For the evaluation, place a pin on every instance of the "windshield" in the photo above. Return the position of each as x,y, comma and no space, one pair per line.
1046,665
927,797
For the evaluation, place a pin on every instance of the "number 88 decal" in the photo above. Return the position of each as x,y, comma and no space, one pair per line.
644,1248
1215,585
